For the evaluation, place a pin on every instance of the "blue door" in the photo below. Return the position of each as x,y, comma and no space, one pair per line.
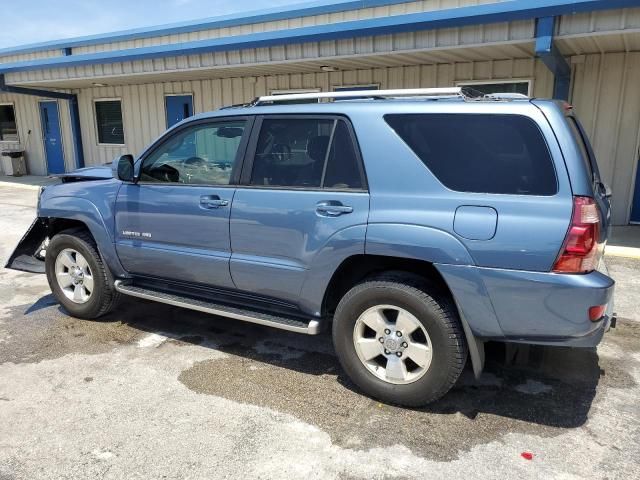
635,209
51,136
303,211
178,108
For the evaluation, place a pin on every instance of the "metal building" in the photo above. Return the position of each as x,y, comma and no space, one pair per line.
86,100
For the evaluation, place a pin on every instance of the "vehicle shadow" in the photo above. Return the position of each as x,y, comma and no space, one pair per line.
550,386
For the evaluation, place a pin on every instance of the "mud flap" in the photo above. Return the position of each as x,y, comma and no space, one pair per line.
27,257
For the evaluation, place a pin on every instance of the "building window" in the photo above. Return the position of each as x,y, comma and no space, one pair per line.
297,90
109,122
8,127
356,88
502,86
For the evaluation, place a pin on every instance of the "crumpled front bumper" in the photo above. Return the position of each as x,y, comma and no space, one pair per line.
27,256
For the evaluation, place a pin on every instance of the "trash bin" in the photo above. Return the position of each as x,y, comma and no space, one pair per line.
13,162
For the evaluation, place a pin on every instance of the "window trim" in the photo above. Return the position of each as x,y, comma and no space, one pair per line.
528,80
15,116
247,167
240,154
95,122
185,94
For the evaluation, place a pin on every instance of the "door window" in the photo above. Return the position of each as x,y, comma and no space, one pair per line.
205,154
311,153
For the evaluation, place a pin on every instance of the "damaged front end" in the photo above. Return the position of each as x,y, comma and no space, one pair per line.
30,252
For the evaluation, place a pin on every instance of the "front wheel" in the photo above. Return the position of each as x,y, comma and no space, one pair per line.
399,340
77,276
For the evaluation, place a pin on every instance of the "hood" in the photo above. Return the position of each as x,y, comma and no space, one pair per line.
102,172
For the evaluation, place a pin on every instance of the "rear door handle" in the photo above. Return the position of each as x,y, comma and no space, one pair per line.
332,208
212,201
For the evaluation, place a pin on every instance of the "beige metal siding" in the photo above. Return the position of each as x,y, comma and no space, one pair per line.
30,132
24,57
356,14
606,97
144,112
500,40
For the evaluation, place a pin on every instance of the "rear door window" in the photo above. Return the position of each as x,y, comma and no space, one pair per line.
306,153
480,153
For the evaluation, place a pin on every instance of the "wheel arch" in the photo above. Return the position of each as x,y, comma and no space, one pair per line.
356,268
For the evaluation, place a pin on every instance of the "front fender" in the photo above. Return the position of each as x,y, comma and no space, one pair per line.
85,211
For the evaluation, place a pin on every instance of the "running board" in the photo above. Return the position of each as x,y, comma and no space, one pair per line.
313,327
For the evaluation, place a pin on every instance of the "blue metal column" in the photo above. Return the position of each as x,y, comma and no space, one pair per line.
552,58
76,132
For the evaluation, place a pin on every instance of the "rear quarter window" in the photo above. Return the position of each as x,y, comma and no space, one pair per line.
480,153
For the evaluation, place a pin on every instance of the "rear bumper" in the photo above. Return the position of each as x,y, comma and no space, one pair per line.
549,308
541,308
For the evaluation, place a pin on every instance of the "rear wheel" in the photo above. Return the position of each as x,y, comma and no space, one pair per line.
399,340
77,276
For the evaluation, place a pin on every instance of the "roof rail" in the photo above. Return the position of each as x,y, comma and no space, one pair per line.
405,92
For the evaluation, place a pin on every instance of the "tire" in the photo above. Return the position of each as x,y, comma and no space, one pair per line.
438,328
90,303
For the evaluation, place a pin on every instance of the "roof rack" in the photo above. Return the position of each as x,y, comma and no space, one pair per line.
405,92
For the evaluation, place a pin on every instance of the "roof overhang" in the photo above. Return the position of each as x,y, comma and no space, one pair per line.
512,10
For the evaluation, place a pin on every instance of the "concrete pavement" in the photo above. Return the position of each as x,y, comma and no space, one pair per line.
154,391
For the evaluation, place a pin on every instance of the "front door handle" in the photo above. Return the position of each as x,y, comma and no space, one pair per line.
212,201
332,208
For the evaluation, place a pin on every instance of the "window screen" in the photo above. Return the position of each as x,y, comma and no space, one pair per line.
480,153
306,153
109,122
8,127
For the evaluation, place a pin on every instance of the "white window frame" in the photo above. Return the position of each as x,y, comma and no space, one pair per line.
371,86
15,116
95,122
287,91
471,83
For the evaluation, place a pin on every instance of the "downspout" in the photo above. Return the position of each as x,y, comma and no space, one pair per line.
72,98
548,52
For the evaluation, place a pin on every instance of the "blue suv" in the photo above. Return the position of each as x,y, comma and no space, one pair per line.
419,224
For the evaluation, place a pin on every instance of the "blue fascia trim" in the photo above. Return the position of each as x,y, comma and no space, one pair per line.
547,51
224,21
456,17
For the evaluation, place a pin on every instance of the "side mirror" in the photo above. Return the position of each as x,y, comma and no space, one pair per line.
123,168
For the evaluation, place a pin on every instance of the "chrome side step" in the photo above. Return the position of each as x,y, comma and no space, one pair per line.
313,327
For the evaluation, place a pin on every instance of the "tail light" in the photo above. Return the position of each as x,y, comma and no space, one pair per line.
580,253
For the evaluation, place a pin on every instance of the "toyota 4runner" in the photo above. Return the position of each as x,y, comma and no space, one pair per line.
419,224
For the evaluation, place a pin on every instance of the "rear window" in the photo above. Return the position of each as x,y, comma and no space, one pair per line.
480,153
